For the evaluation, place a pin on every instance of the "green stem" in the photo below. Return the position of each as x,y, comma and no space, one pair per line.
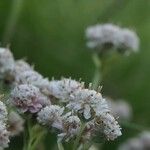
32,135
60,146
76,143
97,75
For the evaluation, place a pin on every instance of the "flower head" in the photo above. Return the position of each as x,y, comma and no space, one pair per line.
108,126
27,97
87,101
64,89
141,142
104,36
71,127
51,116
6,63
120,108
34,78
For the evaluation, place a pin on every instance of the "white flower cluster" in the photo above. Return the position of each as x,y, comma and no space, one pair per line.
62,105
4,134
84,103
15,123
141,142
104,36
27,97
120,108
67,124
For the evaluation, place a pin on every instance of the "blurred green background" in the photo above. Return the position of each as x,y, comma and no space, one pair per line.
50,34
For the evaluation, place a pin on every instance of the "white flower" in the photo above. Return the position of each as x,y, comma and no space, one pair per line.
34,78
3,112
51,116
71,127
145,139
109,126
141,142
105,36
4,136
27,97
132,144
15,123
6,63
129,40
120,108
87,102
64,89
21,66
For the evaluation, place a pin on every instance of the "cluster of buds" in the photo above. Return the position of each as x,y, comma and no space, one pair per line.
4,133
102,37
141,142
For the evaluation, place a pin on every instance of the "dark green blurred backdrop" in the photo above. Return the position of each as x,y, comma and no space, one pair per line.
50,34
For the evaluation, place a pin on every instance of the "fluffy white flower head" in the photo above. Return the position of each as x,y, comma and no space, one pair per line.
87,101
34,78
6,62
27,97
63,89
105,36
71,127
51,116
120,108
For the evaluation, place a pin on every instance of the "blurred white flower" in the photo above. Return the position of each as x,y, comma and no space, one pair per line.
6,63
120,108
15,123
140,142
27,97
101,37
132,144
